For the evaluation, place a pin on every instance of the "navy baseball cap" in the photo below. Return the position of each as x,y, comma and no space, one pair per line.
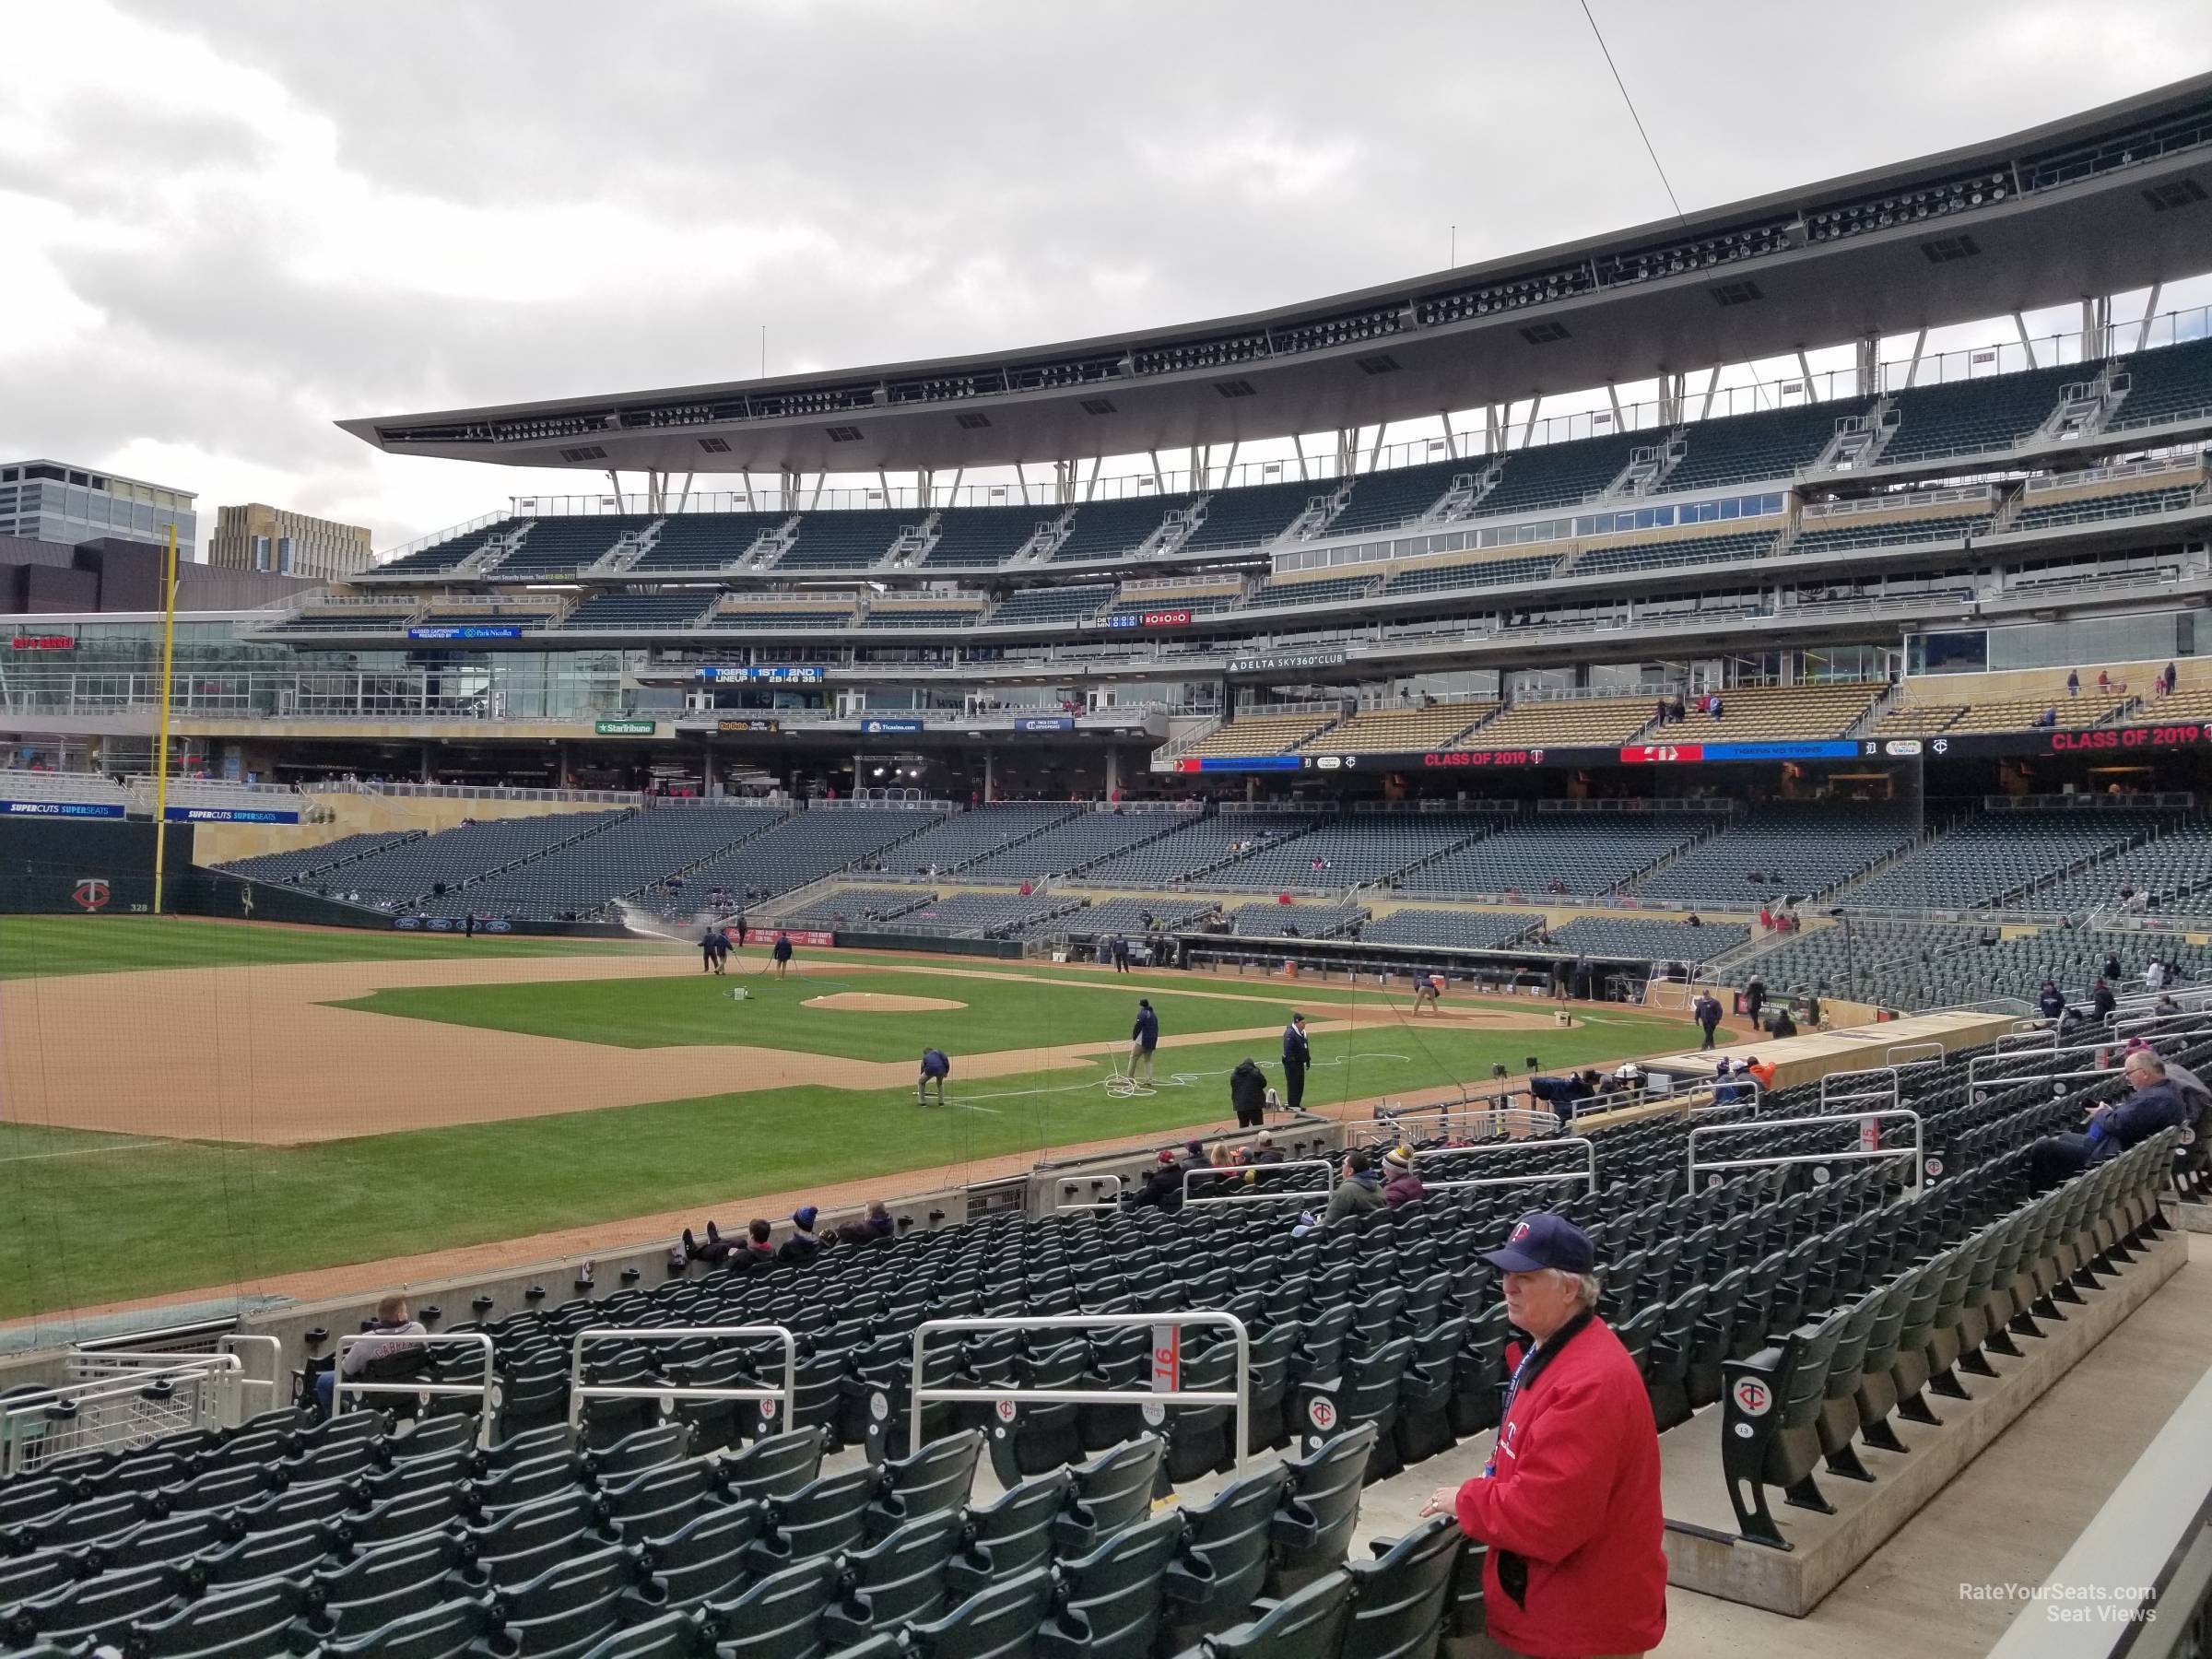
1541,1241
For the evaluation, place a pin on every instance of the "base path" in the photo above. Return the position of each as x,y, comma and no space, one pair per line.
254,1054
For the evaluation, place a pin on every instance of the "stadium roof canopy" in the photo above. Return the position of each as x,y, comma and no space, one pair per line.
2103,203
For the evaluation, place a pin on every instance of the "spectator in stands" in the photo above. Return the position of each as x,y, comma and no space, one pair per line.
2187,1083
1762,1071
2112,970
2154,974
1563,1095
1297,1054
2168,680
2051,1000
1782,1025
781,952
1766,919
1248,1093
1707,1011
1162,1190
1359,1191
2102,1001
2104,682
805,1243
1263,1149
1401,1183
936,1066
1755,998
1724,1091
377,1358
1144,1037
1713,706
2073,682
1572,1488
2156,1105
872,1228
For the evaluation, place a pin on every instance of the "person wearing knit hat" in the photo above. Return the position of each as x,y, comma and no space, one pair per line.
1400,1184
805,1243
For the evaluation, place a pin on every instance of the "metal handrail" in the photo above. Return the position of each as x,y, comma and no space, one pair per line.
1587,1175
1461,1113
923,1393
343,1385
1276,1195
1892,1094
1861,1118
2102,1074
1916,1054
1977,1078
16,1446
579,1391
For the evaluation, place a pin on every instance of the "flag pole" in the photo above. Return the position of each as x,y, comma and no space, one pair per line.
169,649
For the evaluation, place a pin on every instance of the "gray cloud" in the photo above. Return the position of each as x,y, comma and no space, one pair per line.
951,177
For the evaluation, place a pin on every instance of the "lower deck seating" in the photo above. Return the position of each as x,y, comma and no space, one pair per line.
663,1526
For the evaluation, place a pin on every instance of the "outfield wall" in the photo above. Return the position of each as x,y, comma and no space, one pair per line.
85,866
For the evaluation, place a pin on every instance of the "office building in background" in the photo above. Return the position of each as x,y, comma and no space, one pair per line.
279,542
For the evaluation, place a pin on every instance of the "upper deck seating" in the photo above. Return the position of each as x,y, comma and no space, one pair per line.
972,537
1970,417
705,541
1750,449
1405,730
1251,516
847,539
1114,528
1261,733
1564,723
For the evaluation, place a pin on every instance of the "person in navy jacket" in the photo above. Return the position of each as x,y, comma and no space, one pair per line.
1297,1055
1144,1037
1569,1501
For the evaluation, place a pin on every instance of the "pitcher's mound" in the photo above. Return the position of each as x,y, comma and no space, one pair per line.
879,1001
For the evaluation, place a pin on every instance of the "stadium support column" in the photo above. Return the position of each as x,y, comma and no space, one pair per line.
990,776
2096,327
1869,364
1113,772
1064,481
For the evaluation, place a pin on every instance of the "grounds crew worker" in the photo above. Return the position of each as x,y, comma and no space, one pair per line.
1569,1503
1144,1037
1297,1055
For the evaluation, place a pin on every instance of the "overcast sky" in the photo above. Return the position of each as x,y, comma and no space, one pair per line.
232,223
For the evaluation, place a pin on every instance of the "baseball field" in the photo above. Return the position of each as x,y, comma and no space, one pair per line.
206,1106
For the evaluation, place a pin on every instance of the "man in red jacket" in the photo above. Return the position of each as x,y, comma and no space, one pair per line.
1569,1503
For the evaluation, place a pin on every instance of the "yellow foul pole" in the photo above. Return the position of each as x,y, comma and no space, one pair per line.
169,650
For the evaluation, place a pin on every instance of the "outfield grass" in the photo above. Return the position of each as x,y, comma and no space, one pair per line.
125,1219
88,1217
1002,1013
40,945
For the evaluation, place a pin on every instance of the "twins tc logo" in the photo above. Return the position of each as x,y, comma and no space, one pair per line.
1520,1232
91,893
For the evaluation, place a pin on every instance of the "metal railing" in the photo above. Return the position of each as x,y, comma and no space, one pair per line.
1260,1194
1479,1117
481,1392
1166,1365
581,1391
129,1405
1872,1083
1713,1166
1587,1175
